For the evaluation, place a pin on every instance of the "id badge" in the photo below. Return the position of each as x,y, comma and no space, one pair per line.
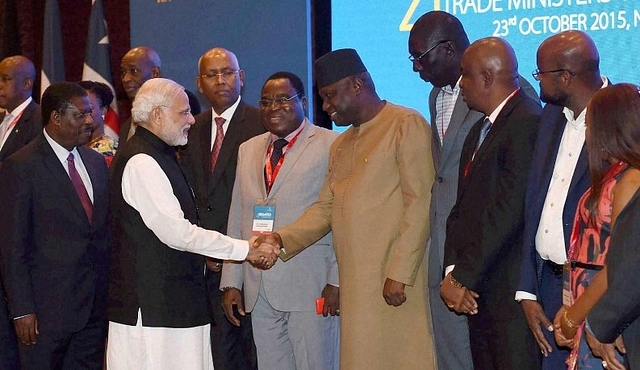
264,215
566,284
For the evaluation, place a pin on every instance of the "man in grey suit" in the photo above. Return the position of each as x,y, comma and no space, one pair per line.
284,168
436,44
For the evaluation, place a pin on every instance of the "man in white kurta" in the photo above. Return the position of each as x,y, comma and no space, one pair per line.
158,311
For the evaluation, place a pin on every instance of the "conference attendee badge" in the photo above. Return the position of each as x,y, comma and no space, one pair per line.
264,215
566,284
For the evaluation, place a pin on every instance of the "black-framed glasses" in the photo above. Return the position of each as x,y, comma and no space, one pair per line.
266,103
417,59
226,75
537,72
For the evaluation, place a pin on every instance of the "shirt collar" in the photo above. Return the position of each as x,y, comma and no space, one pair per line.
579,121
494,115
228,113
20,108
451,90
293,134
61,152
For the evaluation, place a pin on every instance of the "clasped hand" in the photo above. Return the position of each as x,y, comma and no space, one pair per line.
461,300
264,250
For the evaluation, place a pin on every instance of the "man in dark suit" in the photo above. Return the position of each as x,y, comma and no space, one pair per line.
20,123
138,65
54,244
436,44
484,229
618,311
210,160
569,75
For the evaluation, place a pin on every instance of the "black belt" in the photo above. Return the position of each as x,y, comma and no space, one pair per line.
557,269
554,267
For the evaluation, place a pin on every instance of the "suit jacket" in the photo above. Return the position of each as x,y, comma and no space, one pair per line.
551,128
124,131
484,229
446,159
618,311
25,130
54,262
293,285
213,190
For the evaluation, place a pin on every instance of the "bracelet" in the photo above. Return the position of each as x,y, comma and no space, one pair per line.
454,282
570,323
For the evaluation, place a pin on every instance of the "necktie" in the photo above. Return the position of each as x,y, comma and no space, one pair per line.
4,126
217,144
79,186
276,153
484,130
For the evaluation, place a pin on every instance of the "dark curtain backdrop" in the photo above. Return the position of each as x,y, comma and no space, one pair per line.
21,27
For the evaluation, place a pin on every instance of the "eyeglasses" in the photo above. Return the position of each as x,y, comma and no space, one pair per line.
182,112
266,103
417,59
536,73
224,74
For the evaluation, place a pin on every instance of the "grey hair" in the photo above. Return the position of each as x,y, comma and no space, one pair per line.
154,93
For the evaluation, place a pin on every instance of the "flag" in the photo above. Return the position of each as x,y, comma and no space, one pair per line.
97,65
52,52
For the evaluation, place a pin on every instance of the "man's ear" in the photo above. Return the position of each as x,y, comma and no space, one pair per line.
488,79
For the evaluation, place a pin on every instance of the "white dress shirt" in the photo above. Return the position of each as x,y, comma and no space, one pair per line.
227,115
550,235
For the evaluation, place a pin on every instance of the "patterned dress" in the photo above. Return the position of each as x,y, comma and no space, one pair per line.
587,253
105,146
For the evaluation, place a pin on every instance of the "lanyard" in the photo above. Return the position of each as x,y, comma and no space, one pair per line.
10,126
272,173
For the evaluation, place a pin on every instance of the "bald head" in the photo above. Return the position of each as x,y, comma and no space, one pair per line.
569,70
489,73
220,78
441,66
137,66
438,25
17,75
572,50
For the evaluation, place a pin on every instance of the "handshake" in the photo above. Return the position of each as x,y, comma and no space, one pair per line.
264,250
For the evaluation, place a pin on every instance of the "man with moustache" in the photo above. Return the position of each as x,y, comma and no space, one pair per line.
374,199
209,160
569,75
436,44
485,227
285,169
55,238
158,309
21,122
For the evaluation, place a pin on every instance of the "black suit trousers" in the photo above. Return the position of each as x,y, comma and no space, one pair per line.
232,347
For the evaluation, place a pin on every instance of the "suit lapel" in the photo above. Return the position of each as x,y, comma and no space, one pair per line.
293,155
60,175
259,162
550,148
229,145
15,134
98,183
460,111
